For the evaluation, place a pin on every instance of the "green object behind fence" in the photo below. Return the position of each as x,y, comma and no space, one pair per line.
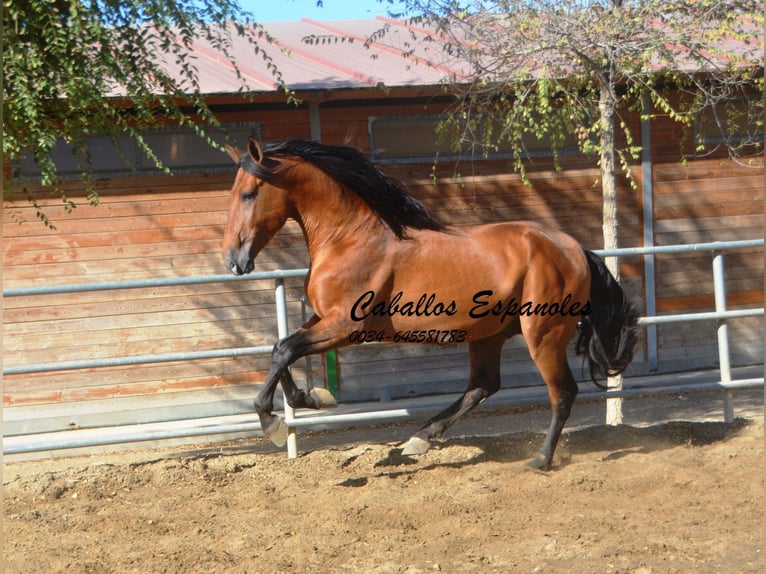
331,369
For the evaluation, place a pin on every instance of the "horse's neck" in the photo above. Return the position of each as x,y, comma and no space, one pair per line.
334,218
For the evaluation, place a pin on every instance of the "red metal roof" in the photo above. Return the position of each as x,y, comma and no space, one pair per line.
313,55
328,62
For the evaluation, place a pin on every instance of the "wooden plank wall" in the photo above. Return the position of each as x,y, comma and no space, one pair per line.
144,227
170,226
706,201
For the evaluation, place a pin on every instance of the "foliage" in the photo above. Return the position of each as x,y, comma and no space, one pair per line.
549,68
77,68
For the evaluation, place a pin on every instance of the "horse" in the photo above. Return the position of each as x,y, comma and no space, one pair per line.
383,268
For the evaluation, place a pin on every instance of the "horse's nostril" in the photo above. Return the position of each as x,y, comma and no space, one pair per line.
238,269
232,266
238,260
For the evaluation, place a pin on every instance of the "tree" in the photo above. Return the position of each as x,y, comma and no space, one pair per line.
551,68
547,69
75,68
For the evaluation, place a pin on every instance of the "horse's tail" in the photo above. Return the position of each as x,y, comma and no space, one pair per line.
608,334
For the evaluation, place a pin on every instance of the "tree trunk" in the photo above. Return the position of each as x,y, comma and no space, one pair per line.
607,109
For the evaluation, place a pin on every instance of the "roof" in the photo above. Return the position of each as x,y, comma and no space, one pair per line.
328,62
350,54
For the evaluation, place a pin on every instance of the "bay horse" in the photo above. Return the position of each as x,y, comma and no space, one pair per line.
382,268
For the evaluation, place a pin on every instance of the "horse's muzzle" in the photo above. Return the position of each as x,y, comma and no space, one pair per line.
239,265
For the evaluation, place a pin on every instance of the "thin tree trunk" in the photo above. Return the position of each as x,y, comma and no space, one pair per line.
607,109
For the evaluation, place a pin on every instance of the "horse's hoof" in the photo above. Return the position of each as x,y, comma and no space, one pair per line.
539,463
416,445
277,432
323,398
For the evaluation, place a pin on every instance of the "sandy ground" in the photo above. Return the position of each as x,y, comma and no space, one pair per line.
641,498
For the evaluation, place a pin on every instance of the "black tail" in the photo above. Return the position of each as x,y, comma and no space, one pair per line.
608,334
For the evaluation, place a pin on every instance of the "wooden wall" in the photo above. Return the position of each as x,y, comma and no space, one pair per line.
165,227
172,226
706,202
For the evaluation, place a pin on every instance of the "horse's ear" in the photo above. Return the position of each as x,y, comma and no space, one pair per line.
233,152
255,151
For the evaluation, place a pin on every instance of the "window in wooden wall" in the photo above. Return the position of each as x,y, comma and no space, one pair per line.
734,123
416,138
179,148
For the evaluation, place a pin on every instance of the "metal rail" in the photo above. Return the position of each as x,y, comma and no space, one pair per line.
148,283
721,314
239,424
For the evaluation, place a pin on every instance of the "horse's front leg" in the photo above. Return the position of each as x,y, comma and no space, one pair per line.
316,398
311,339
272,425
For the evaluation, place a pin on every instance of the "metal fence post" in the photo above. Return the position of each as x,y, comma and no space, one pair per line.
719,291
281,301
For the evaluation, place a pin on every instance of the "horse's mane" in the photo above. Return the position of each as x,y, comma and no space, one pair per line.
351,168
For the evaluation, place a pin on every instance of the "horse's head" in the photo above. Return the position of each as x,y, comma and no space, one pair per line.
258,208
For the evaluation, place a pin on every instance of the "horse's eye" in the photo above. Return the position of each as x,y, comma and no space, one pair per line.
248,196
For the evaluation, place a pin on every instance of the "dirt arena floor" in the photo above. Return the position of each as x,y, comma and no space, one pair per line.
674,497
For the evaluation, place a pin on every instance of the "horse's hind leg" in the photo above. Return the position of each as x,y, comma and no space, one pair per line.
550,358
484,381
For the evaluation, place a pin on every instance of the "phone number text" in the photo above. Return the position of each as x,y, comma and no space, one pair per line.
436,336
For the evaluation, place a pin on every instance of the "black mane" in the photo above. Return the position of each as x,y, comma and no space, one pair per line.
387,197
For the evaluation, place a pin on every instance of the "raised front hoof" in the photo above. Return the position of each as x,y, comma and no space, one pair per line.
540,463
276,431
322,399
415,446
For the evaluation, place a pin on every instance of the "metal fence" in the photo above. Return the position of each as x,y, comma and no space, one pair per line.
135,433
